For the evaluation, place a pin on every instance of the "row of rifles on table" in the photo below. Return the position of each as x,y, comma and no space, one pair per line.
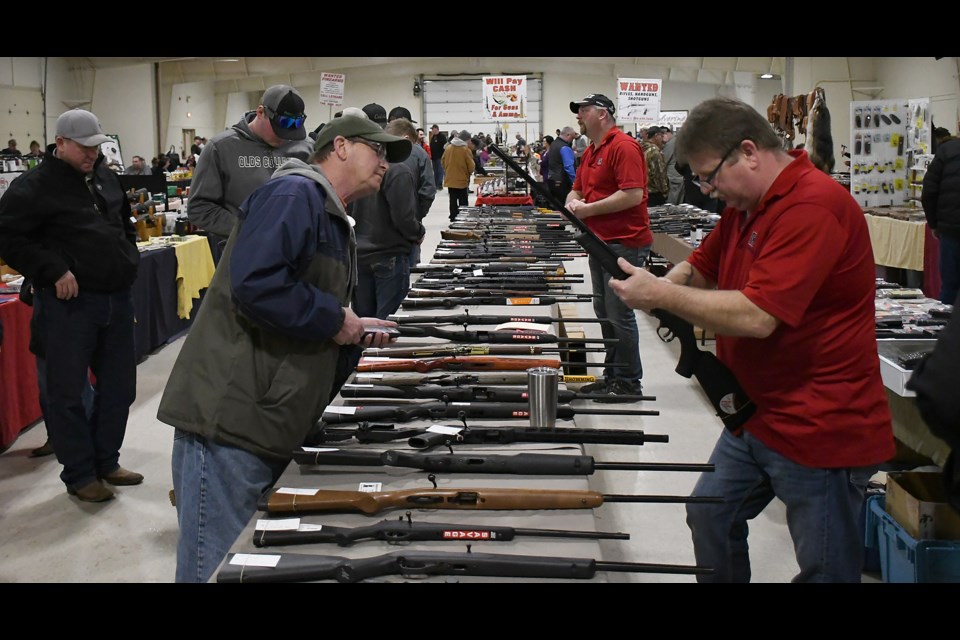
488,256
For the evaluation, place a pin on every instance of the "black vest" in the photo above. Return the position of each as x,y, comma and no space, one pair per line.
555,172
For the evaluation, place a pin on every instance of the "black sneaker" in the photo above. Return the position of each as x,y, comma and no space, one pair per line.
619,387
595,387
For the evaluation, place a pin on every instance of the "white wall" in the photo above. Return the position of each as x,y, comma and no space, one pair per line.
924,78
125,102
193,105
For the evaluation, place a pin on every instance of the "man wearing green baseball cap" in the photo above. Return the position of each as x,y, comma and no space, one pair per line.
271,344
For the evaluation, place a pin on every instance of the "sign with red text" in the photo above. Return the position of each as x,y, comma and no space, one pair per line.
331,88
505,98
638,100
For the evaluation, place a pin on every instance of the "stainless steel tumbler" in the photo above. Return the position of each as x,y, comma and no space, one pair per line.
542,386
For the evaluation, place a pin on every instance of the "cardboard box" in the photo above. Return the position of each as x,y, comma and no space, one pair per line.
917,502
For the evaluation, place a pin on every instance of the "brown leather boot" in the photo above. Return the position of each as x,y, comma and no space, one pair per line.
123,477
92,492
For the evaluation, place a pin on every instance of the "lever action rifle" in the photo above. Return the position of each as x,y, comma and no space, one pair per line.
728,398
442,350
469,318
467,394
398,379
402,531
449,303
494,337
295,567
468,363
532,464
428,437
338,414
292,501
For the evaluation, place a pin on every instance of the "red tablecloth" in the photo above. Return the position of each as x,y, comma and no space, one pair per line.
931,265
19,395
495,201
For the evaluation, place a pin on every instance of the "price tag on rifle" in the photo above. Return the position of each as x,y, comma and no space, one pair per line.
283,524
370,487
446,430
369,376
297,492
255,560
458,271
359,386
319,449
478,272
341,410
374,359
522,301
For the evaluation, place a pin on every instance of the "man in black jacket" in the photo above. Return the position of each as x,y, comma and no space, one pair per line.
941,206
65,225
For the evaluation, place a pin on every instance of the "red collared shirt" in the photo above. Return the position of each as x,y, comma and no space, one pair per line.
805,257
616,163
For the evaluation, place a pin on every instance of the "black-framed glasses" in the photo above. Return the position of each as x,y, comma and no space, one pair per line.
708,181
378,147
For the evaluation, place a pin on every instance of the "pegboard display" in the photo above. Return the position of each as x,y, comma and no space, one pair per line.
885,134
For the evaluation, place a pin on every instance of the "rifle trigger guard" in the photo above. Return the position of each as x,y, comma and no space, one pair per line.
665,333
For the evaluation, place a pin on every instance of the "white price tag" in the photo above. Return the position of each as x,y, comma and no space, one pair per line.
374,359
297,492
254,560
319,449
341,410
284,524
370,487
458,271
352,385
444,429
478,272
369,376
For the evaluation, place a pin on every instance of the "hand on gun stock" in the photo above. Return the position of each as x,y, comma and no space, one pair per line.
356,330
639,290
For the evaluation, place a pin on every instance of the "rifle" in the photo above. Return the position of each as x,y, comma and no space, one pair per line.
530,464
339,414
291,501
294,567
463,292
398,379
731,402
466,394
496,267
428,437
441,350
449,303
468,318
468,363
494,337
400,532
531,254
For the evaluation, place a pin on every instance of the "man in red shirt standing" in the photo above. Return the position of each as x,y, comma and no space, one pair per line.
609,195
786,280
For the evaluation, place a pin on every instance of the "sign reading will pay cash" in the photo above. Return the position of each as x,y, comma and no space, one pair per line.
638,100
331,88
505,97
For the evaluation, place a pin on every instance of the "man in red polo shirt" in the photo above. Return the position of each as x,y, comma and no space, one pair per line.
786,280
609,195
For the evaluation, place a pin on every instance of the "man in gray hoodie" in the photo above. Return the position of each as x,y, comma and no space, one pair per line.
239,160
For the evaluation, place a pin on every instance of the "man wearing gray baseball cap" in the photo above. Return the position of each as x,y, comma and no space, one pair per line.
65,225
273,341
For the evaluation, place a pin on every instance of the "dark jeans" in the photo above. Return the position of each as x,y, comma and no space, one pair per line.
458,198
623,325
949,268
92,332
381,286
438,173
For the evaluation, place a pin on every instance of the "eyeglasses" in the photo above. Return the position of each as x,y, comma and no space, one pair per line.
708,181
378,147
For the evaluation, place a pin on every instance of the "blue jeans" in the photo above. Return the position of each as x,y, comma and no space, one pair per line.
415,255
89,393
437,172
823,512
91,332
381,286
216,488
949,268
623,325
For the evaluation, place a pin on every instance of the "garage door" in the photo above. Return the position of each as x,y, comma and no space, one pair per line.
457,104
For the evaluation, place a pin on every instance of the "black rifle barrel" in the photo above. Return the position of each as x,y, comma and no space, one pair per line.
439,410
402,531
466,394
495,337
292,567
469,318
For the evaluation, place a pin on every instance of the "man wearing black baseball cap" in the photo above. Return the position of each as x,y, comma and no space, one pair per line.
237,161
608,195
400,112
376,113
274,340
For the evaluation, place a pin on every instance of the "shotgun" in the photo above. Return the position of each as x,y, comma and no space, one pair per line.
528,464
469,318
467,394
518,336
459,379
340,414
442,350
428,437
290,501
728,398
451,290
296,567
401,532
467,363
449,303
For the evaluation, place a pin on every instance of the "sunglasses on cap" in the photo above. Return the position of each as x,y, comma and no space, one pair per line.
286,120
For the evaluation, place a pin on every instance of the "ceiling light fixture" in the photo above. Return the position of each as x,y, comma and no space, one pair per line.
766,76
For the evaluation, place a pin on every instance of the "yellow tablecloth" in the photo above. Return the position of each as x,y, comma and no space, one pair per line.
897,243
194,271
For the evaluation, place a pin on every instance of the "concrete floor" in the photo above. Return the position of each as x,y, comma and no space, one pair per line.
52,537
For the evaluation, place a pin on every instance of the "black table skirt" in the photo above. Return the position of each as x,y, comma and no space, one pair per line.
155,302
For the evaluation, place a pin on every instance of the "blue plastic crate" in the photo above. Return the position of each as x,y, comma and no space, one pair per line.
905,559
